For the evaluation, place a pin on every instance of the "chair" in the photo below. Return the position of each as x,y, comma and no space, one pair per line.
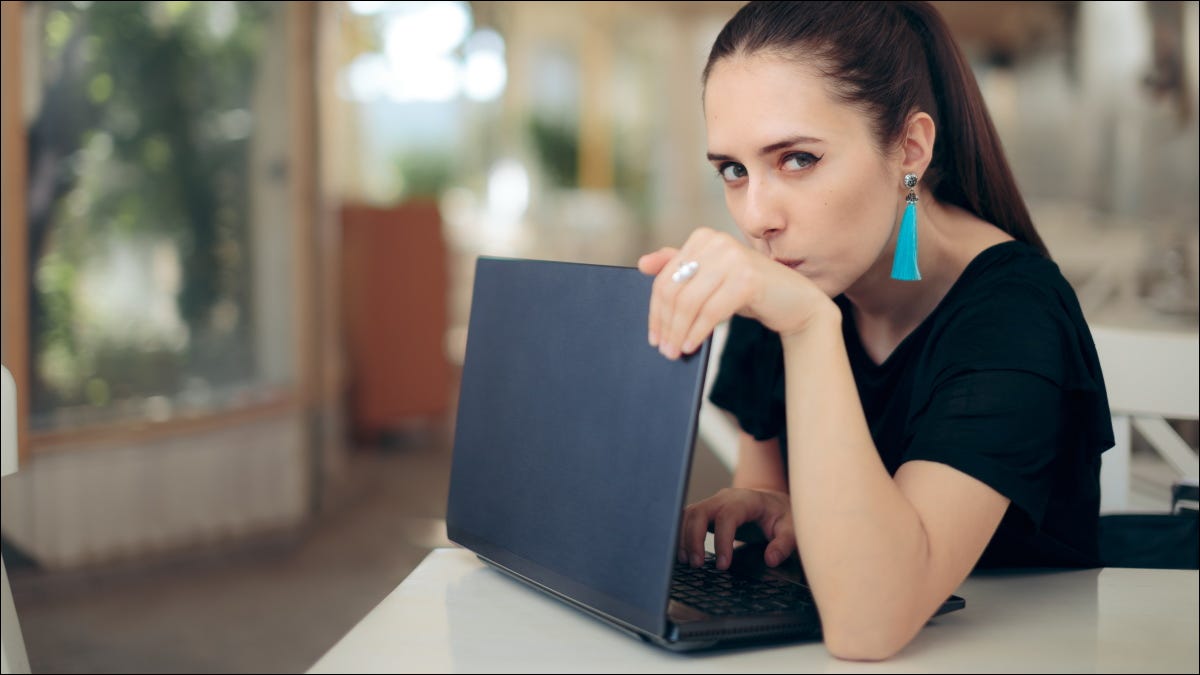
13,658
1150,377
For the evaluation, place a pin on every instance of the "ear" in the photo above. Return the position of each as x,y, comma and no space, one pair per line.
917,147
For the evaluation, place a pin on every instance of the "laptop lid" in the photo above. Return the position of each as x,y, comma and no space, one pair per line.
573,437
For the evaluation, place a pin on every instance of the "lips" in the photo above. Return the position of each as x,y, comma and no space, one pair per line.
794,264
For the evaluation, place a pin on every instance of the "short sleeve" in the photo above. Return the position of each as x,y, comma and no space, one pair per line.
1001,427
1013,395
750,381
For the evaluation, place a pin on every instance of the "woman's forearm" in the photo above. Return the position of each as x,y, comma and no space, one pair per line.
860,539
759,465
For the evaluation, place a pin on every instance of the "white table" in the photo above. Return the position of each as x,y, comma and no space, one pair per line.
454,614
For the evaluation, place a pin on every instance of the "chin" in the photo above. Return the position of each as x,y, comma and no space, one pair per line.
828,286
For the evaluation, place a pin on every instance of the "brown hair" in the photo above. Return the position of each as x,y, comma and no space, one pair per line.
891,59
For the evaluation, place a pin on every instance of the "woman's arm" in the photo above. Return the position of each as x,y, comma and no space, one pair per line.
880,553
759,464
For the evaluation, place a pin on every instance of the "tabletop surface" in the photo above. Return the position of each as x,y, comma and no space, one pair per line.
454,614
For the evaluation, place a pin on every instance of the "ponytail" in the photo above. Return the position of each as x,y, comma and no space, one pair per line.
969,167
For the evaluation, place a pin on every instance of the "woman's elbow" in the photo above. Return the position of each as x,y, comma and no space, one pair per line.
875,643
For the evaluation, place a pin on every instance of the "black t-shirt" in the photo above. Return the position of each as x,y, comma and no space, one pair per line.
1001,381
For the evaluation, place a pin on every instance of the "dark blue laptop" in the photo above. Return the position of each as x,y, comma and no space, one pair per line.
572,455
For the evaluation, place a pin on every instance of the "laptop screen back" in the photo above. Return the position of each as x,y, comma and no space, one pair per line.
573,436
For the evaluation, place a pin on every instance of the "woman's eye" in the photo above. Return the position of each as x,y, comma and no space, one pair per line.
800,160
731,171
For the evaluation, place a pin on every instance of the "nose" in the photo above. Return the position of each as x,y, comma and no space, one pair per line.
764,215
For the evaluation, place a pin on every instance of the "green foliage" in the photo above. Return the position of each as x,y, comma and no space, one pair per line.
557,147
143,133
424,173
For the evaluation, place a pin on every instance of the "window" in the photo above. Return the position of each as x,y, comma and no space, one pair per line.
158,209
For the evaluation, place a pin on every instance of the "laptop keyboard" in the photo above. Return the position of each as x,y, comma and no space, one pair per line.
721,593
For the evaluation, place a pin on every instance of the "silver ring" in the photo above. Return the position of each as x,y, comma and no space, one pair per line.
686,271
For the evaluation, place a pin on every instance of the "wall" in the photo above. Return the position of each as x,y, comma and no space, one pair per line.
81,503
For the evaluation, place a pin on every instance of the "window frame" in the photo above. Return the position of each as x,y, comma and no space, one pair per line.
305,198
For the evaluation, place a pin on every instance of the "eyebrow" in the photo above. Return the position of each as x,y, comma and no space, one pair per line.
768,149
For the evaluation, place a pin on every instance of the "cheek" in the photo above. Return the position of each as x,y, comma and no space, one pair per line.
857,223
868,207
854,221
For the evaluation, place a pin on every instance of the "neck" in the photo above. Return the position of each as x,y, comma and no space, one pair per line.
887,310
901,305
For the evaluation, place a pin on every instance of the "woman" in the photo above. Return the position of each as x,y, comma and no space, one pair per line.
917,389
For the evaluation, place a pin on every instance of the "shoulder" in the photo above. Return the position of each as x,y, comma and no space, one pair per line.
1013,310
1015,268
1005,283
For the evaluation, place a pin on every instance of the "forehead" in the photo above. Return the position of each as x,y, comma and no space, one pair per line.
753,101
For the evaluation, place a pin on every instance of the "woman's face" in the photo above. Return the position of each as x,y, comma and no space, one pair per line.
804,179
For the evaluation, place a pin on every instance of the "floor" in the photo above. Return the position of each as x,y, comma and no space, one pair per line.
272,606
279,604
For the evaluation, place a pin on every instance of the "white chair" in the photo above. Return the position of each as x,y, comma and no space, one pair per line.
12,648
1151,377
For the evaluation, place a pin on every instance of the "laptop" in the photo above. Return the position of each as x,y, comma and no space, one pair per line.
572,455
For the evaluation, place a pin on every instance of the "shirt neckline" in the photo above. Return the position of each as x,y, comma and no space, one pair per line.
850,327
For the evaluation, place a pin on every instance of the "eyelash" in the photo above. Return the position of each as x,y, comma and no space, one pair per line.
807,157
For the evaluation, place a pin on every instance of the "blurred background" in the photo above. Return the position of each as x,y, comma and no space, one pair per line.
238,244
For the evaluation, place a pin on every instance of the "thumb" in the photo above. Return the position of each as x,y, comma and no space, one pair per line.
782,544
652,263
778,550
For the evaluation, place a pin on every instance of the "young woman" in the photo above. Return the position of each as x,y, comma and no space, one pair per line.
917,389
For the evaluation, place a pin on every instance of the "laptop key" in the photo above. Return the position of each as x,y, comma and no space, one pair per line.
719,593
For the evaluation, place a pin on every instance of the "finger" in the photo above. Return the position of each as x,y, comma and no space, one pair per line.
779,549
724,527
653,263
662,297
685,529
689,300
667,289
718,306
695,528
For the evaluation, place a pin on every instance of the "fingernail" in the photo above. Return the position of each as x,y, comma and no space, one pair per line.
697,560
772,558
688,348
722,562
681,556
653,339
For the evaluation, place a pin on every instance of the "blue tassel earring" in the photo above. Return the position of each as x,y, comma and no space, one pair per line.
904,263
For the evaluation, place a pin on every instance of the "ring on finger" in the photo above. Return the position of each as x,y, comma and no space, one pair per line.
686,271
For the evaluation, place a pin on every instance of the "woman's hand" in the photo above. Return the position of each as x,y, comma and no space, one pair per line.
728,278
730,508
